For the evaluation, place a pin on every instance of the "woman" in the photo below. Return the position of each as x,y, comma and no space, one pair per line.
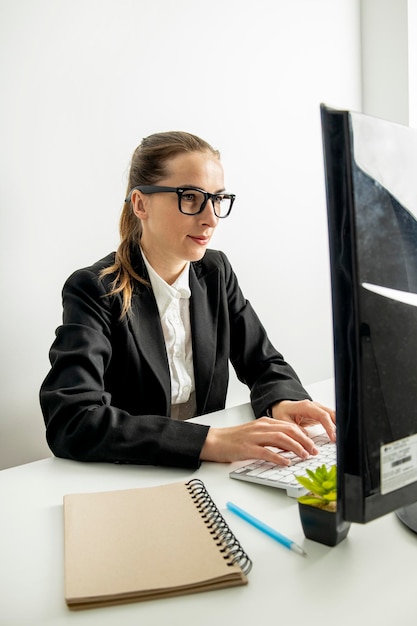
148,332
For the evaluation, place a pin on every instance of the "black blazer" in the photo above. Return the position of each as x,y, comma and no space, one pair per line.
107,395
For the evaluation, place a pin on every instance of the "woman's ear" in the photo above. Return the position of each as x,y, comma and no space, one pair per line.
138,205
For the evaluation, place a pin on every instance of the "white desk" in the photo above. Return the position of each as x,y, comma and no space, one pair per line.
369,578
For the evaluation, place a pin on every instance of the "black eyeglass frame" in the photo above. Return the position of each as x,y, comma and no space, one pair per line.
148,189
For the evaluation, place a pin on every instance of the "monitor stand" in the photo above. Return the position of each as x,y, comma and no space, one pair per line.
408,516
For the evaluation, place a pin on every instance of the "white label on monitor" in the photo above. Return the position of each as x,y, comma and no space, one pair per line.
398,464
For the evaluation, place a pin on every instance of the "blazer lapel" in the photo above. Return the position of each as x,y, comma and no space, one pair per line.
147,331
204,311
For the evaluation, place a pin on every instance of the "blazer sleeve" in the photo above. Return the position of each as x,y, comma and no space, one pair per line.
82,422
256,361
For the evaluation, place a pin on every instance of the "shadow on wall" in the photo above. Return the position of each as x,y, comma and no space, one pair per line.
24,442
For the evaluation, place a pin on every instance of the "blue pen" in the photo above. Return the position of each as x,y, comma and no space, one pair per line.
291,545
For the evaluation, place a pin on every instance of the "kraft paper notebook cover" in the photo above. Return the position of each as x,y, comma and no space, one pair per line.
144,543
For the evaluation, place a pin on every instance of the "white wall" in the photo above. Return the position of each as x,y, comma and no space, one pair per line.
385,58
412,63
84,80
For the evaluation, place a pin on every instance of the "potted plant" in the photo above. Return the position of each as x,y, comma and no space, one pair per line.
320,518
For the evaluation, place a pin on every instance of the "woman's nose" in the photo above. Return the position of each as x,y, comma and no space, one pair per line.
208,215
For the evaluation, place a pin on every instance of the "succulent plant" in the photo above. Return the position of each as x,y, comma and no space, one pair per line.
321,485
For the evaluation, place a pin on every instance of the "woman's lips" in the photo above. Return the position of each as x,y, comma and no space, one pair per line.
202,241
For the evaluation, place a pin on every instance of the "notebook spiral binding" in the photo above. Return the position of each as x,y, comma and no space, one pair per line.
227,542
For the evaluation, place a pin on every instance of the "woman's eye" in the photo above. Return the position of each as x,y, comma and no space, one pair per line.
188,197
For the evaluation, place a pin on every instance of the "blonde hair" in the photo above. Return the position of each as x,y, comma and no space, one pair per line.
148,166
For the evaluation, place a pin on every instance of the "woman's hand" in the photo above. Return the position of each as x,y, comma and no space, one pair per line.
285,430
250,441
306,413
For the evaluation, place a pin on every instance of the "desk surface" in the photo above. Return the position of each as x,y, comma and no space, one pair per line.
368,578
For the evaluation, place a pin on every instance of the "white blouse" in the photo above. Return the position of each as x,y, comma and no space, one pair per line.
174,310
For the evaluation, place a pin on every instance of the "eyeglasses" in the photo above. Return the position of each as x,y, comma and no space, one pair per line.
192,200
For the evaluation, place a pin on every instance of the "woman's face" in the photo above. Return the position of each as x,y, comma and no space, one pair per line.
170,238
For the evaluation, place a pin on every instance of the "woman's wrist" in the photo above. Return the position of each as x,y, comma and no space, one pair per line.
269,410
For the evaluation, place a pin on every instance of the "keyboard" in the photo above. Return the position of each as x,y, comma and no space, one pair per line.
265,473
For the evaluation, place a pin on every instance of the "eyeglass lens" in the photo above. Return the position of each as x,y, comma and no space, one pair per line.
191,201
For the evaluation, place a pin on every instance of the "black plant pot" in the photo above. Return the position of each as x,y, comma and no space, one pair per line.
326,527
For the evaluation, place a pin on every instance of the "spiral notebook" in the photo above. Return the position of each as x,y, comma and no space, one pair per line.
144,543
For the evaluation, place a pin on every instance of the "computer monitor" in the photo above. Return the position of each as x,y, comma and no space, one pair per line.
371,187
